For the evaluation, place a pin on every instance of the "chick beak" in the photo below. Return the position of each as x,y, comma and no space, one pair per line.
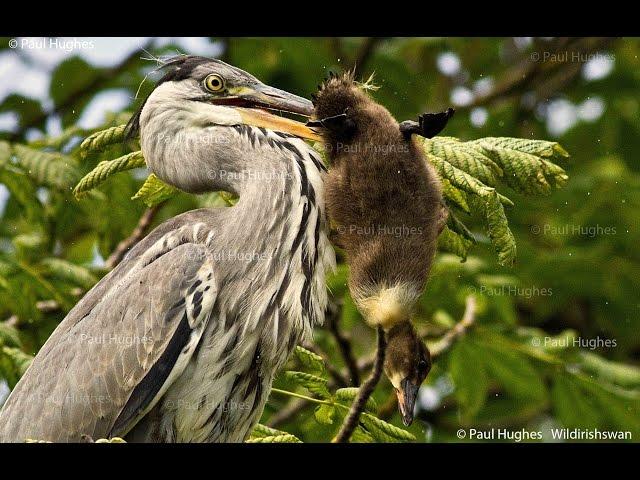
407,394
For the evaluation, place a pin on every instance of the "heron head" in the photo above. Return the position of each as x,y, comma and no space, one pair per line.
407,364
183,122
233,95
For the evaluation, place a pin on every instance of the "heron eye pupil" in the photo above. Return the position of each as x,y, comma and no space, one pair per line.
214,83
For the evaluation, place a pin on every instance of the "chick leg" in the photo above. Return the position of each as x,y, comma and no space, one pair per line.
428,124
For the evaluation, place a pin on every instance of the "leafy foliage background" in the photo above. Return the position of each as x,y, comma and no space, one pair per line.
576,273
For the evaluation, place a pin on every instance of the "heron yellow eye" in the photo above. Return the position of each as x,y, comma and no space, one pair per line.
214,83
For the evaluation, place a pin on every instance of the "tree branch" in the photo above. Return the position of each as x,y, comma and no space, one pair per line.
102,78
138,233
362,56
367,388
367,48
536,71
458,330
344,343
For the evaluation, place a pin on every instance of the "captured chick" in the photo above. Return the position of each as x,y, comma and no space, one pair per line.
382,196
385,201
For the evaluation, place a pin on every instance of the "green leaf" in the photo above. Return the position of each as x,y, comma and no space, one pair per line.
451,242
573,408
455,196
70,272
154,191
474,168
512,370
20,360
23,191
612,372
9,336
52,169
28,109
360,435
324,414
337,281
466,367
620,408
463,156
103,139
5,153
498,228
539,148
286,438
456,226
459,178
346,396
383,431
523,167
261,430
71,85
106,169
310,360
60,141
311,382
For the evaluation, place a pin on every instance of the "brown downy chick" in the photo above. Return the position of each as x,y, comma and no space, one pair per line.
385,201
407,363
383,197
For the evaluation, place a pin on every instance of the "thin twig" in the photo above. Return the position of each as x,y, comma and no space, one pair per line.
459,329
344,343
138,233
367,388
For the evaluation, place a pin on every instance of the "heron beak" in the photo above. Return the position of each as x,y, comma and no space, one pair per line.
407,394
260,102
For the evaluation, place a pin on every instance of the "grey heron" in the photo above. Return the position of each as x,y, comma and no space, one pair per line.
180,342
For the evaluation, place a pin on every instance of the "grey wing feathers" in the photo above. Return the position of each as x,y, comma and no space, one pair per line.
88,372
